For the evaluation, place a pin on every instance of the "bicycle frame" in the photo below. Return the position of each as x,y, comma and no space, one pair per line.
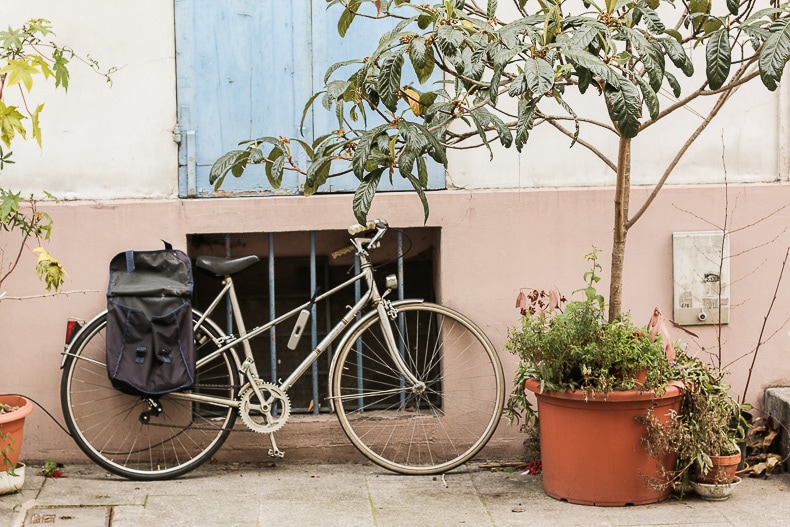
247,366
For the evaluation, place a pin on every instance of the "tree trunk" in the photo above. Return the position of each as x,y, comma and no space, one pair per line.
622,194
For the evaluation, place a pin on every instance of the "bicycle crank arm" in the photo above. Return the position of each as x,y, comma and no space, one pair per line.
274,451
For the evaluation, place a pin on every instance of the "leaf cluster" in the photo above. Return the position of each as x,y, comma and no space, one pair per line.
709,423
25,56
499,74
575,348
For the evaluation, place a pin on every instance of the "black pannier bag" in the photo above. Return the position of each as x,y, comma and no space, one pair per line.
150,342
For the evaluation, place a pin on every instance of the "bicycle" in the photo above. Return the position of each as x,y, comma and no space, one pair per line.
417,387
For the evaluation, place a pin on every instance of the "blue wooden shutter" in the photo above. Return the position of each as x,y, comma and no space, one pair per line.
245,68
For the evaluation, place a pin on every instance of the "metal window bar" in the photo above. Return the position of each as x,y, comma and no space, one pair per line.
313,318
401,319
272,313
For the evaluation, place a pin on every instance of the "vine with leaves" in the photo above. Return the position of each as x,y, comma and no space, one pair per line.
27,55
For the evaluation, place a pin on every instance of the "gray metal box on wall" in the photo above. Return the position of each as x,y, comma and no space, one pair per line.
701,277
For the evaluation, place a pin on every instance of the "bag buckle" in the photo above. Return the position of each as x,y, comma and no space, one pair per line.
164,356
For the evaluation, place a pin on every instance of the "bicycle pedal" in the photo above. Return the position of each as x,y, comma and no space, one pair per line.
276,453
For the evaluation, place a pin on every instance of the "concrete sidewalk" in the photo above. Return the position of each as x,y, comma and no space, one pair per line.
345,495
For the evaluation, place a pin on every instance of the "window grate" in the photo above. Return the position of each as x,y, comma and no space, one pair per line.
295,265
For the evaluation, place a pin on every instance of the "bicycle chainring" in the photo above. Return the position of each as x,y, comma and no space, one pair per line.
268,415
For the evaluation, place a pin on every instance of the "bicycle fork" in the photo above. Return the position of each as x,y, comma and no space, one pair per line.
387,316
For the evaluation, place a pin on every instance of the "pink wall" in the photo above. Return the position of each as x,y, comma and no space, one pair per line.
492,243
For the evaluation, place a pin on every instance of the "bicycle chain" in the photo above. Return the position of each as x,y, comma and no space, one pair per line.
247,429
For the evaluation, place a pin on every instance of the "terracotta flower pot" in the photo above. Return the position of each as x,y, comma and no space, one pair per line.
723,471
12,424
592,451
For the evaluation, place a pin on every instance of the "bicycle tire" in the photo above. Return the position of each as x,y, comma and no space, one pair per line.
109,427
419,433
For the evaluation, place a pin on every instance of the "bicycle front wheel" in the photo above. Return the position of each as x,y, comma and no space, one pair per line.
443,421
146,438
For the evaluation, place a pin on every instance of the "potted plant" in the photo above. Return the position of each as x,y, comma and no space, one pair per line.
704,434
593,379
13,411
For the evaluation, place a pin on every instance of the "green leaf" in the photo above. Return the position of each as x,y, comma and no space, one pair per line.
223,165
585,35
718,56
349,13
425,20
567,108
274,169
389,81
418,52
449,39
418,188
422,171
653,20
306,109
526,116
774,55
491,9
317,174
60,67
363,196
334,91
733,5
539,75
673,83
307,148
12,39
10,123
364,145
42,64
36,124
649,96
9,204
20,71
434,148
422,60
237,169
593,64
518,85
505,135
585,78
651,56
677,54
481,118
493,85
625,108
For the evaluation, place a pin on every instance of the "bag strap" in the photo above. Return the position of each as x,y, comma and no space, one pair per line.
129,262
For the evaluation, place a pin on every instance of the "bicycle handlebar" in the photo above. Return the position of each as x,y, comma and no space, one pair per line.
379,225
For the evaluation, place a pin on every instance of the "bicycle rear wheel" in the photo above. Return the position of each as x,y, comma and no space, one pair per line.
415,431
129,435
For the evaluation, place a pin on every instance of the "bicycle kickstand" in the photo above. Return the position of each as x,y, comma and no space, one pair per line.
274,451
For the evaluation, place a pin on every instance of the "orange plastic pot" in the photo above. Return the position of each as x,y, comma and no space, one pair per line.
11,425
592,451
723,471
